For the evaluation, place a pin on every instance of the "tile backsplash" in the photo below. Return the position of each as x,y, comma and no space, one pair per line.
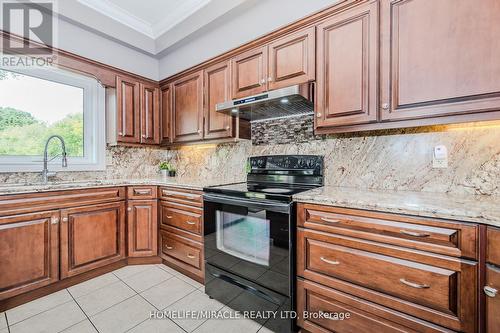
396,159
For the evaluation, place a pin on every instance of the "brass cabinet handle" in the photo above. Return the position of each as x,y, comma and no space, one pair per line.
190,223
65,219
169,247
129,209
142,191
490,291
190,256
120,133
168,217
55,220
385,106
331,262
325,219
414,285
318,115
414,234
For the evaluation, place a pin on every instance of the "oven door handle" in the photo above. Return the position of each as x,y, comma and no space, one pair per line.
251,289
271,206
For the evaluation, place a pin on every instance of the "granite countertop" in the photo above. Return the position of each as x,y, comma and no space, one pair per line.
470,208
187,183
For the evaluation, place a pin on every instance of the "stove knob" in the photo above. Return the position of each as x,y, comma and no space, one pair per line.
310,163
261,163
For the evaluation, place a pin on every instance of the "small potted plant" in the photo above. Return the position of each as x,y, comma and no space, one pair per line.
167,169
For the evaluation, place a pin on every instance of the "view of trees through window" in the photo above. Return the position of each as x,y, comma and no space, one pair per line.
32,109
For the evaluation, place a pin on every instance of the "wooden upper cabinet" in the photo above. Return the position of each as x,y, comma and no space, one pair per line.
249,72
29,252
142,223
347,66
91,237
166,113
150,113
217,86
440,58
187,108
292,59
128,110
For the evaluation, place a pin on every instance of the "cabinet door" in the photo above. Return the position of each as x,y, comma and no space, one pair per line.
91,237
150,114
217,87
439,58
142,228
492,299
347,60
166,113
249,72
29,252
292,59
188,108
127,109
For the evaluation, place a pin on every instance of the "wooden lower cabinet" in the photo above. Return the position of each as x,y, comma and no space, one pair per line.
366,258
91,237
142,222
492,291
29,252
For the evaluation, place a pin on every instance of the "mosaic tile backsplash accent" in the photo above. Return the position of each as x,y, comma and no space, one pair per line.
393,160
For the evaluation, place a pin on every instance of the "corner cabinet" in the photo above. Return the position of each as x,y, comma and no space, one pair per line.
436,60
187,112
138,112
166,113
29,252
91,237
492,287
347,60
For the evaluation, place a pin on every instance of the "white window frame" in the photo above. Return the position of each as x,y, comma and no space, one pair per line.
94,126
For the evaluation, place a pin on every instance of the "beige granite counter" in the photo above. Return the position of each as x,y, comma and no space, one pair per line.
188,183
470,208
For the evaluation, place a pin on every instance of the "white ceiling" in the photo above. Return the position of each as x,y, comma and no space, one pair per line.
150,26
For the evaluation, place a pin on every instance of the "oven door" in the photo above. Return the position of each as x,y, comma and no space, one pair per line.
250,239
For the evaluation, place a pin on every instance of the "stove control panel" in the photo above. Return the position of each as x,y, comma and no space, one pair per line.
287,163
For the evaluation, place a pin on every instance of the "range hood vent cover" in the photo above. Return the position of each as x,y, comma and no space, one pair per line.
287,102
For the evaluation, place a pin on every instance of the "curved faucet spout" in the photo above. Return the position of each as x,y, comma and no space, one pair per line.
45,172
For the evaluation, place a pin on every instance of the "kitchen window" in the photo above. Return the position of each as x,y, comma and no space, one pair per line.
38,103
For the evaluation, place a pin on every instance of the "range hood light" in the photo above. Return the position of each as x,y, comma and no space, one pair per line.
234,110
284,101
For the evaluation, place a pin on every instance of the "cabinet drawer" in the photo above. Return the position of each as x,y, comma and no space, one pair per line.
438,236
141,192
185,218
493,249
182,196
181,249
493,301
436,288
353,315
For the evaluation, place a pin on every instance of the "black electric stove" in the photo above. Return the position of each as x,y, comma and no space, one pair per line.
250,236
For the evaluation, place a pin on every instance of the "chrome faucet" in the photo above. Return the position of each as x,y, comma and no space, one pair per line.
45,171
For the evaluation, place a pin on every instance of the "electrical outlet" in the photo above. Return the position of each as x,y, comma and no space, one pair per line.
440,157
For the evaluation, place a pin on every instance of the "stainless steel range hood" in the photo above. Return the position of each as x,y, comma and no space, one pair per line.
287,102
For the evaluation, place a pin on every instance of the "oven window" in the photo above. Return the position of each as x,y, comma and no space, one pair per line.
244,236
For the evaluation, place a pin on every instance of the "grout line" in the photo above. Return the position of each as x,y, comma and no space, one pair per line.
85,313
6,321
55,306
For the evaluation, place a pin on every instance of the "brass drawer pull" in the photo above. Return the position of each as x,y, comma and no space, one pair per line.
169,247
414,285
190,223
168,217
190,256
141,192
65,219
490,291
414,234
325,219
331,262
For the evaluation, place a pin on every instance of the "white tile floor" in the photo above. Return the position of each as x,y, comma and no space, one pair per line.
121,301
